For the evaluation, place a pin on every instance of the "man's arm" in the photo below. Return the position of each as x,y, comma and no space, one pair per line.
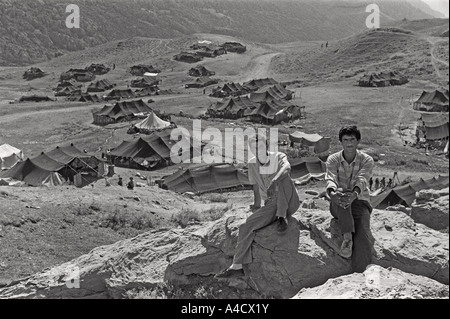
285,168
331,175
257,197
362,179
256,191
363,175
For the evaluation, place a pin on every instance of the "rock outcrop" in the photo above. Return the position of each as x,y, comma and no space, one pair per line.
398,242
431,208
377,283
303,257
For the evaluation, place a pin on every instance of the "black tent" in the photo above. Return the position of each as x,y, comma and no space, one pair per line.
207,179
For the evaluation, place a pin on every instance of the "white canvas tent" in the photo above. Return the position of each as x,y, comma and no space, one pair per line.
9,156
152,122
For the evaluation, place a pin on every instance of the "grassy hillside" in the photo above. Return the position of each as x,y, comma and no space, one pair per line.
372,51
433,27
33,31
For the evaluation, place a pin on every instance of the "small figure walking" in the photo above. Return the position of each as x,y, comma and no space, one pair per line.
383,182
377,183
389,184
130,184
120,182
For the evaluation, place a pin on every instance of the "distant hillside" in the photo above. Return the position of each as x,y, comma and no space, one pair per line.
419,4
433,27
372,51
34,30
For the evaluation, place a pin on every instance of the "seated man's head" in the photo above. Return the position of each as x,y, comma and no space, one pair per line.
259,146
349,136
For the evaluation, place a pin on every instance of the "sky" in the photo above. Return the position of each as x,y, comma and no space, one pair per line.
438,5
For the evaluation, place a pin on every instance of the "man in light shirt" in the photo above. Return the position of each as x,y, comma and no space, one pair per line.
348,174
269,173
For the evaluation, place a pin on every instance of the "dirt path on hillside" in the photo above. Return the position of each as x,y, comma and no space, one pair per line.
435,59
13,117
258,68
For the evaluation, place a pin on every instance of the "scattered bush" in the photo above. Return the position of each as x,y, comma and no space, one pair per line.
216,213
121,219
82,210
186,216
189,215
141,222
116,220
216,198
420,161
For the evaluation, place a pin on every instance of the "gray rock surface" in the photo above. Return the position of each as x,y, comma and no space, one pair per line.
377,283
431,208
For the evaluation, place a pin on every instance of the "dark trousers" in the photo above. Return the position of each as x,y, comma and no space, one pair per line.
356,220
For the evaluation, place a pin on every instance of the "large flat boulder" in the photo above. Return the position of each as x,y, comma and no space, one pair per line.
303,257
377,283
283,264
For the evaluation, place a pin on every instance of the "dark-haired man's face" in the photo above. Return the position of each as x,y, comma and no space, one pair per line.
349,143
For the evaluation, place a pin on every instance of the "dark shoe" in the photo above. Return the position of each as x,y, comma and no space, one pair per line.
346,248
282,225
230,273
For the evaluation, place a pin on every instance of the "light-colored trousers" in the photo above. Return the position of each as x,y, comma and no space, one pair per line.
283,203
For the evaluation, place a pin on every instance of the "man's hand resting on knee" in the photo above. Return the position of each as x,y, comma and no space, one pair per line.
342,199
339,198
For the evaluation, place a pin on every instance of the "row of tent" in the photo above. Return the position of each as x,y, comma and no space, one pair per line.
79,75
148,152
33,73
237,89
268,104
144,82
405,194
199,71
188,57
75,94
125,110
62,163
226,47
206,49
55,167
141,69
201,82
227,176
382,79
85,75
